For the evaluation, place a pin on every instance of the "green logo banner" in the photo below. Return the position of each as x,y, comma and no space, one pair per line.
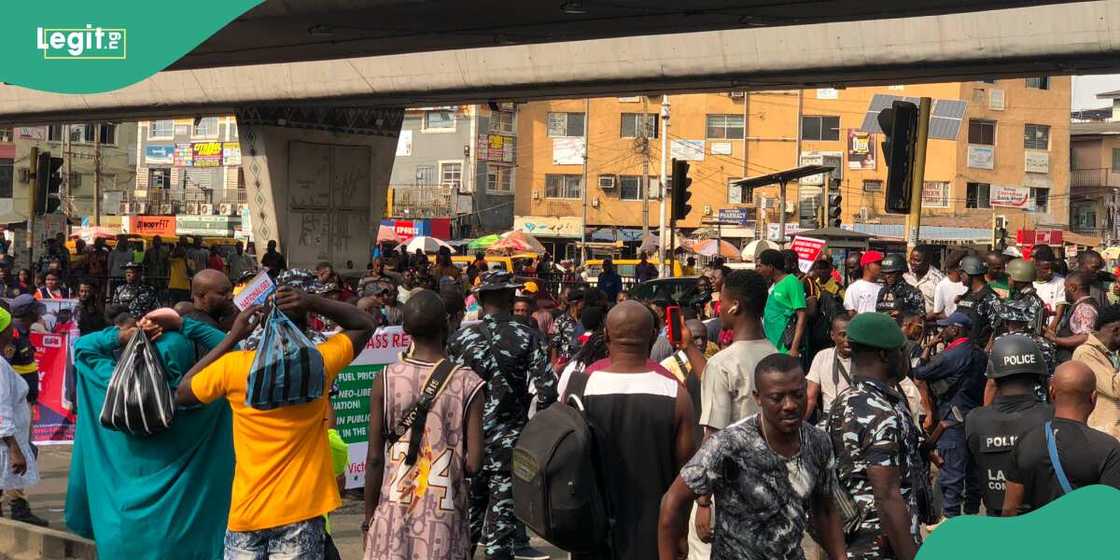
93,47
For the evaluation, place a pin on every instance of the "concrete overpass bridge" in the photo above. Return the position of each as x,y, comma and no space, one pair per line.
324,81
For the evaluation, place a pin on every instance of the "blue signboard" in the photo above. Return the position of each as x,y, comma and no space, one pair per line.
733,216
159,153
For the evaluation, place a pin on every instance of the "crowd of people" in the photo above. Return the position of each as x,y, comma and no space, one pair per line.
818,414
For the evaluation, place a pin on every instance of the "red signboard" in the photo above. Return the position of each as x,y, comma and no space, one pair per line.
1039,237
808,249
441,228
152,225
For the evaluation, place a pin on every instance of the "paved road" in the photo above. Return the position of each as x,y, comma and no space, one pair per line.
48,500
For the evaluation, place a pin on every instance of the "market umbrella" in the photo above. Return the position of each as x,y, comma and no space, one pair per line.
483,242
649,245
715,248
517,242
427,244
387,234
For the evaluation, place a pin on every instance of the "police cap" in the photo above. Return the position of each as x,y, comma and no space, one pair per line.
877,330
1021,270
974,266
1016,354
894,263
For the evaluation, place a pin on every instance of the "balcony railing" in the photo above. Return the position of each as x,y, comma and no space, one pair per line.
422,201
1088,178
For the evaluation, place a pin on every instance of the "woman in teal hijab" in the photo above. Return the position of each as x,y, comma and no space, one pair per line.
165,496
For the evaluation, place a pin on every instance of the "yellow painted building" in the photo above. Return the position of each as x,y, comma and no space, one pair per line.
1005,142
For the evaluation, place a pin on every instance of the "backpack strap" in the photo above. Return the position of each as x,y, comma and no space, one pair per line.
839,370
1052,447
516,389
417,415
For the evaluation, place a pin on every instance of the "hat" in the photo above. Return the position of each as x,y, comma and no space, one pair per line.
302,279
868,258
958,318
134,265
25,304
877,330
1015,354
973,266
1021,270
497,280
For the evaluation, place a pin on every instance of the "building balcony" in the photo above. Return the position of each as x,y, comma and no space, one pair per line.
423,201
1094,178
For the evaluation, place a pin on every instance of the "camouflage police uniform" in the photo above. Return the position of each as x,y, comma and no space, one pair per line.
138,298
1027,303
510,357
983,307
1020,312
564,342
901,297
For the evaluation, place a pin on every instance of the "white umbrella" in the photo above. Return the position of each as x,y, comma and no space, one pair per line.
427,244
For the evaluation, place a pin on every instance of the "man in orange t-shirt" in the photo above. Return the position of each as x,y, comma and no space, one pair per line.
284,481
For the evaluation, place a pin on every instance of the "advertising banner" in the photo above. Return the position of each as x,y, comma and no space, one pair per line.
159,153
231,153
1010,197
183,155
861,150
207,154
351,404
152,225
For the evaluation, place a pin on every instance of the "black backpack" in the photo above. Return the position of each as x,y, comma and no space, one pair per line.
829,307
558,491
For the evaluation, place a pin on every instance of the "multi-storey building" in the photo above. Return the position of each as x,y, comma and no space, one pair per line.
456,162
999,150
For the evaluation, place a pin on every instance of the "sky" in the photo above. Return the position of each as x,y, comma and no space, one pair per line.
1086,88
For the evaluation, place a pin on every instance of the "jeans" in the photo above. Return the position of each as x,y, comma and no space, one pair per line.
303,540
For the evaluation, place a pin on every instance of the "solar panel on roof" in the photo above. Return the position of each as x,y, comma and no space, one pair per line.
944,122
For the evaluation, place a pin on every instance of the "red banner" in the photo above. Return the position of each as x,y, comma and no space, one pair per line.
52,417
152,225
1039,237
808,249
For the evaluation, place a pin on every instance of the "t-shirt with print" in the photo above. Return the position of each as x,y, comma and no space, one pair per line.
1052,292
284,472
861,296
728,381
762,499
945,296
786,297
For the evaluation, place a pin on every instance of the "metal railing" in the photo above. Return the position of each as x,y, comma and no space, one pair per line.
1099,177
422,201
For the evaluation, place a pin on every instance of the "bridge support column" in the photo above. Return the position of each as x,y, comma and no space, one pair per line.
316,178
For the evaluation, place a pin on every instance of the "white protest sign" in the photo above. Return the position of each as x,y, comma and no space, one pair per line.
256,291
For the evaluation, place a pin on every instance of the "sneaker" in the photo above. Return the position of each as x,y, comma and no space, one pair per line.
21,511
530,553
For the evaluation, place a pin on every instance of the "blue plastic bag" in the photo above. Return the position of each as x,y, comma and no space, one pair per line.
287,369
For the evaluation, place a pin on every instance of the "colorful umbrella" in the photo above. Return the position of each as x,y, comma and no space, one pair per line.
427,244
714,248
516,242
483,242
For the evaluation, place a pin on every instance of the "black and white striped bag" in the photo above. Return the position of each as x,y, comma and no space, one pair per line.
139,400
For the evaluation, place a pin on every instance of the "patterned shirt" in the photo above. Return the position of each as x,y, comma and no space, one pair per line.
899,300
762,499
927,284
983,306
139,298
871,426
564,341
1083,317
510,357
1029,304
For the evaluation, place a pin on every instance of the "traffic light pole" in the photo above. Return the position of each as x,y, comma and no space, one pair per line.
918,174
661,222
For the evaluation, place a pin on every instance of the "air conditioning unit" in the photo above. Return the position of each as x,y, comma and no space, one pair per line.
225,209
206,209
864,214
736,94
140,207
606,182
25,175
166,209
192,208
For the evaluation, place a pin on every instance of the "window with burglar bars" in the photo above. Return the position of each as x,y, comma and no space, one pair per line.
820,127
630,187
977,195
563,186
1036,137
451,174
725,127
636,125
566,124
162,129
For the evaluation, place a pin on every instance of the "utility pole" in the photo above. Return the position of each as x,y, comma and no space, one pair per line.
643,143
797,163
97,175
917,175
583,229
663,238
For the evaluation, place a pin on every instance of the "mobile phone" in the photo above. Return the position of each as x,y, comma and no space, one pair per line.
673,323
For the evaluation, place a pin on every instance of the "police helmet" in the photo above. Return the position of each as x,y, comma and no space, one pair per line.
894,263
974,266
1021,270
1016,354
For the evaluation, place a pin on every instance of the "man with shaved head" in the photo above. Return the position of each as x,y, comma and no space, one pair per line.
1084,456
403,511
211,299
644,420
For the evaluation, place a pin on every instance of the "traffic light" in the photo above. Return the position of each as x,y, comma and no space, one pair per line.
900,125
48,183
1000,234
681,194
834,208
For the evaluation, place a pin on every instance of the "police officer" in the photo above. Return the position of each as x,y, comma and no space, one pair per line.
898,298
956,380
980,303
1021,274
1015,317
138,297
510,357
1017,365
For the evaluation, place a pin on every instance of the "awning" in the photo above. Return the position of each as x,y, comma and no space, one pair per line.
928,233
617,234
1071,238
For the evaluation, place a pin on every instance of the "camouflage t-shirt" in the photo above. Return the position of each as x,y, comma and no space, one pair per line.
762,499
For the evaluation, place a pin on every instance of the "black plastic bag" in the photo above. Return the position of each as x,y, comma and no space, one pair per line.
139,400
